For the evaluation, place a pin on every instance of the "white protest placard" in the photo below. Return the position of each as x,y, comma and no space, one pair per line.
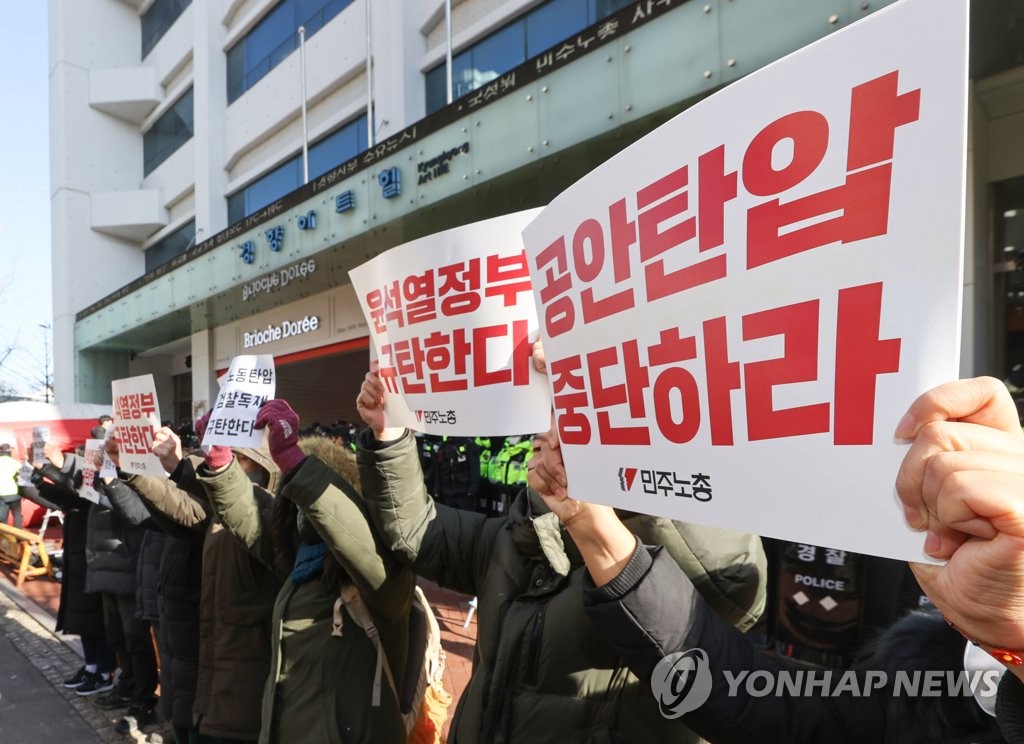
738,309
40,436
93,450
249,383
136,418
453,320
109,469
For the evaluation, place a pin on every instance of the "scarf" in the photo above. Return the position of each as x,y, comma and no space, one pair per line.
309,562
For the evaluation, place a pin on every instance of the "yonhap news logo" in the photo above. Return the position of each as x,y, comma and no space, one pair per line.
682,683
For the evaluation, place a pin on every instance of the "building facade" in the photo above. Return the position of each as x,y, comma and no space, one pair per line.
191,224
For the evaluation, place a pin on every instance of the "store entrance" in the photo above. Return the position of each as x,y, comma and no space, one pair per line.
322,384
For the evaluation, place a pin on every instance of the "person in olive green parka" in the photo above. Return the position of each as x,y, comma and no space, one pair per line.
317,537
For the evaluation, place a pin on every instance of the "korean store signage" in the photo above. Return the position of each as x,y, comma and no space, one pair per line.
738,308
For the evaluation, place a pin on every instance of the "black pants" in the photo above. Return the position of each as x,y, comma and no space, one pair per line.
14,507
130,637
98,652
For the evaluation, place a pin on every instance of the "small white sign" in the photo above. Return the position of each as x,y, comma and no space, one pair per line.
249,383
93,450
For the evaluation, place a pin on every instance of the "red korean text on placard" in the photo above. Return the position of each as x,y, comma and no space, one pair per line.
679,242
660,378
457,360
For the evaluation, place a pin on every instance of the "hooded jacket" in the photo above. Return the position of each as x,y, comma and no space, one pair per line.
236,601
321,684
541,669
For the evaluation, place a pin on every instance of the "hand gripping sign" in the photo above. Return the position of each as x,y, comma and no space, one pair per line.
453,321
249,383
738,308
136,417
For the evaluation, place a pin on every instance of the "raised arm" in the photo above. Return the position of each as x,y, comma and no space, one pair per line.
440,543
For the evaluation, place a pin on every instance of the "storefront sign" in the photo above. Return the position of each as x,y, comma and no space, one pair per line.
276,280
276,332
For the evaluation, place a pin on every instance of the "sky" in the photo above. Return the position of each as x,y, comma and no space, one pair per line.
25,287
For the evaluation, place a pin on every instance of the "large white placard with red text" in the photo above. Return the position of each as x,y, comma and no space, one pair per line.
738,308
453,322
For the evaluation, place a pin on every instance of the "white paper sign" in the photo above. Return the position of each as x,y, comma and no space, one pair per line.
738,308
40,436
453,320
93,449
136,418
249,383
109,469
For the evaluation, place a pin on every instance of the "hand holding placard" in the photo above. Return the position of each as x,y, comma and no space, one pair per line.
217,455
962,480
282,425
167,447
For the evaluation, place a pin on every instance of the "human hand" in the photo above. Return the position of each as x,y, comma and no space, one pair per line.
112,448
282,424
167,448
370,405
539,362
218,456
962,480
53,453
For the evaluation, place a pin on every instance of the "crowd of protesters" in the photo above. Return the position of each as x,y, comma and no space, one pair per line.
279,586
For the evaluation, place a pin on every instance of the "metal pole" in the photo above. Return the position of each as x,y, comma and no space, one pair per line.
448,43
369,79
305,129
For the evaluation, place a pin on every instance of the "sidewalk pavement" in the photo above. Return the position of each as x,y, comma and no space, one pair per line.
34,706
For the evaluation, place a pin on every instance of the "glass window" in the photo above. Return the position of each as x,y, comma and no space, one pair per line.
159,17
168,133
171,246
328,152
274,38
553,22
520,40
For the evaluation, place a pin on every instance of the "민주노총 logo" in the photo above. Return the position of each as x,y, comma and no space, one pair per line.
681,682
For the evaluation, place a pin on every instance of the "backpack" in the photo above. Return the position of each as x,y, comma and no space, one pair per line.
422,698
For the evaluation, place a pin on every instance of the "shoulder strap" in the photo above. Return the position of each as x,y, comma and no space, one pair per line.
353,602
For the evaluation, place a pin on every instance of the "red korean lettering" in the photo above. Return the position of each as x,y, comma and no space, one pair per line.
675,384
630,392
507,277
860,357
716,187
723,376
522,351
798,325
559,312
570,397
444,352
588,253
877,110
808,130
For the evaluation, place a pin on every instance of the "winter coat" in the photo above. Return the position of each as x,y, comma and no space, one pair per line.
237,597
130,508
79,613
111,543
180,576
651,610
541,669
321,685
